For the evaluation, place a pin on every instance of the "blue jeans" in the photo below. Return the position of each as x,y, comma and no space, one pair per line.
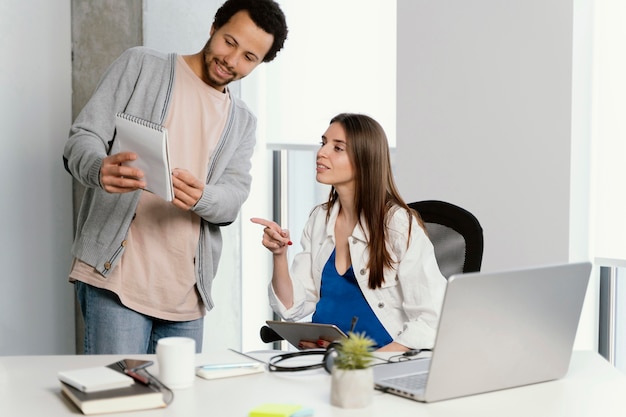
111,328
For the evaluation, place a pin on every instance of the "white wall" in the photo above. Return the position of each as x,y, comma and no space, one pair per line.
484,118
36,301
484,121
609,130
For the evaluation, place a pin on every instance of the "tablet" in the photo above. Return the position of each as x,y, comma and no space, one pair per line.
294,332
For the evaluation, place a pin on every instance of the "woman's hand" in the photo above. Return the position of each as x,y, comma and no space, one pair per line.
275,239
393,347
308,344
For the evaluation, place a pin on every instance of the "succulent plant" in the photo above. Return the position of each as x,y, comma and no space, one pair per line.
354,352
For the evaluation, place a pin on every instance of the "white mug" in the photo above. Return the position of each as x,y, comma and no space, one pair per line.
176,357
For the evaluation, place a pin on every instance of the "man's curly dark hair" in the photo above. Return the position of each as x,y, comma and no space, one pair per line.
266,14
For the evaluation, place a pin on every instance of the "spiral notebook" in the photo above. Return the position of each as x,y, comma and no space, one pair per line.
149,141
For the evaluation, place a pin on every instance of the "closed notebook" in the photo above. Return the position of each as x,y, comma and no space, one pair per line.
149,141
95,379
135,397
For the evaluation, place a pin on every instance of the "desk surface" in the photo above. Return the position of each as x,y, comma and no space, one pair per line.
592,387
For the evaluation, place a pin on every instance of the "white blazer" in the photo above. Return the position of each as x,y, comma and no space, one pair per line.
408,303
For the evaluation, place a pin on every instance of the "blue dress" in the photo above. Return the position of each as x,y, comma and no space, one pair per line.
341,299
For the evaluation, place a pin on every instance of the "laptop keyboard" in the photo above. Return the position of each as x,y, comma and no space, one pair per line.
408,382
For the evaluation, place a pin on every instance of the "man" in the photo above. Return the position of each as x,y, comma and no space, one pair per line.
143,267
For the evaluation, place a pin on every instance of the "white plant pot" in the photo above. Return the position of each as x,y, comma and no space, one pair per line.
352,388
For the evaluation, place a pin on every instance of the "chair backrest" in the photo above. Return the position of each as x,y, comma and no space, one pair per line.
455,233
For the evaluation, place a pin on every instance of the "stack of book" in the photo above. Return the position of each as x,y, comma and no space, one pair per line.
109,389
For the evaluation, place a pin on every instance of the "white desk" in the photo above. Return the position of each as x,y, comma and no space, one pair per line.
592,387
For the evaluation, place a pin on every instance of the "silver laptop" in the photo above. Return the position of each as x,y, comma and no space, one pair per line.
497,330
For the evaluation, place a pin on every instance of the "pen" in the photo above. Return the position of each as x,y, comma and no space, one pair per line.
353,324
218,366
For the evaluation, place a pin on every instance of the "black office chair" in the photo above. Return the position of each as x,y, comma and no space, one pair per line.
455,233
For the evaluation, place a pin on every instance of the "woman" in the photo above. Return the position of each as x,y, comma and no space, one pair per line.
365,253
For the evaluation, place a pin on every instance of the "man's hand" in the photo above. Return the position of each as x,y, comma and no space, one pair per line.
118,178
187,189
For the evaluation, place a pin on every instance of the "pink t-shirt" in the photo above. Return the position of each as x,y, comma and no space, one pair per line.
156,274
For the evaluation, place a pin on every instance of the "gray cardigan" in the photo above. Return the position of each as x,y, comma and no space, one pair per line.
140,83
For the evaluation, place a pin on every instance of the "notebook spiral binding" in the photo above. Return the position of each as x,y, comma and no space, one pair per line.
141,121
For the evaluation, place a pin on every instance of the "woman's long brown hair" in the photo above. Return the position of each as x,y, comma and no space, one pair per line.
376,192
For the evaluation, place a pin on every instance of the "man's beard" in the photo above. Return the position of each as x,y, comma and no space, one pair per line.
207,60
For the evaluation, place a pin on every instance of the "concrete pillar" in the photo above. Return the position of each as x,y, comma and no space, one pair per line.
101,31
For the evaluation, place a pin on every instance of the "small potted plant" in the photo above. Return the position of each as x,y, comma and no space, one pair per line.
352,378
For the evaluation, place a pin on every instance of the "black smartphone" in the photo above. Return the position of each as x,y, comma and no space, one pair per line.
132,368
136,364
